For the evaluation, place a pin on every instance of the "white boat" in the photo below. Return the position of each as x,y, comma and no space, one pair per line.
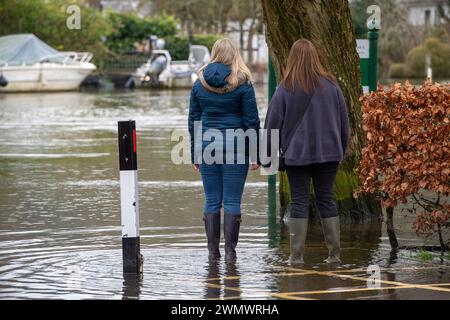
161,71
29,64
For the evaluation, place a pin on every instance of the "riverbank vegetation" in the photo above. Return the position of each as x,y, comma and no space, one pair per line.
130,29
108,35
415,65
47,20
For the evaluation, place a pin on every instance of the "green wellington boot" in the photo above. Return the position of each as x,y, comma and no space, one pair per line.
231,231
297,229
212,228
332,234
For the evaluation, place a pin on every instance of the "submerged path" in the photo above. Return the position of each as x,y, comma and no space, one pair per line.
60,218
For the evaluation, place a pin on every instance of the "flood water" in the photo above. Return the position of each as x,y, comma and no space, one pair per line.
60,235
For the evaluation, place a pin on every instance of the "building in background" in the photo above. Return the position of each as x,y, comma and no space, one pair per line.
257,45
425,12
142,9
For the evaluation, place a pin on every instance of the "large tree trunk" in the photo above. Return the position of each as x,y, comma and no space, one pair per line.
327,23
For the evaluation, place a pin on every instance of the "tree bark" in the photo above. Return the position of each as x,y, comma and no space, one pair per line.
241,35
328,24
250,34
441,238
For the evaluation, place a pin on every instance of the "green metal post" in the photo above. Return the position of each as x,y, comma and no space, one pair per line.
272,79
272,179
273,232
373,59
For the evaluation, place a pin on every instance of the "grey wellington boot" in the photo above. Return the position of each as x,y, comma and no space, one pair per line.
212,228
297,229
332,234
231,231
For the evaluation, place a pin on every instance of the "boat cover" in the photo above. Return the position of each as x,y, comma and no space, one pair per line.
199,55
26,49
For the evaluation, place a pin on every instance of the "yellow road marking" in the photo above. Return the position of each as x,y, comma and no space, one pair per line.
288,296
393,285
299,272
344,290
396,283
441,284
258,276
219,286
428,287
365,269
226,298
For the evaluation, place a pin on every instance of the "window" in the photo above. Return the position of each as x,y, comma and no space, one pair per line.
427,17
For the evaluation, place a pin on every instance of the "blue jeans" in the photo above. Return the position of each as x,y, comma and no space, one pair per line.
323,176
223,184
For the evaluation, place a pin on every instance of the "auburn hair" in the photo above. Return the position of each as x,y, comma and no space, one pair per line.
304,68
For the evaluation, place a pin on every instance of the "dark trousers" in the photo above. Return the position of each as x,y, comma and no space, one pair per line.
323,176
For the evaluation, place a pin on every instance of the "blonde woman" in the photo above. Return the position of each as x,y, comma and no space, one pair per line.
223,98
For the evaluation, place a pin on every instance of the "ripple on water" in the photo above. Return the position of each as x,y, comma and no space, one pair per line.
53,155
89,273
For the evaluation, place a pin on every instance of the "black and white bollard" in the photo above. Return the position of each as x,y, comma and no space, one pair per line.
131,252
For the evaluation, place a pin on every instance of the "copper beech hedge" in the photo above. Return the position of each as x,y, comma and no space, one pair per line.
407,155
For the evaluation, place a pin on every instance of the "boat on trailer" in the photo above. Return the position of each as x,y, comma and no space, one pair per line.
161,71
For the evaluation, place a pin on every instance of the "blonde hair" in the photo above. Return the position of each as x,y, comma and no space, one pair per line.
224,51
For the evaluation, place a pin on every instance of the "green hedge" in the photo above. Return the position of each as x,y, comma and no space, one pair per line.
440,59
414,67
47,20
107,35
129,29
397,70
178,46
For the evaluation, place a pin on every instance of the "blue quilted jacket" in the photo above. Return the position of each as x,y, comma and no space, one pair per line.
219,107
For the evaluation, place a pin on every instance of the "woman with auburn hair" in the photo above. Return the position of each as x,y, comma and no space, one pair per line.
310,111
221,99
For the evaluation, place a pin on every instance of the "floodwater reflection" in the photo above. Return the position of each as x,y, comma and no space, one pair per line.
132,286
222,285
212,280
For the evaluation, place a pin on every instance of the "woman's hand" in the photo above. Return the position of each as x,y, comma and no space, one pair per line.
197,167
254,166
